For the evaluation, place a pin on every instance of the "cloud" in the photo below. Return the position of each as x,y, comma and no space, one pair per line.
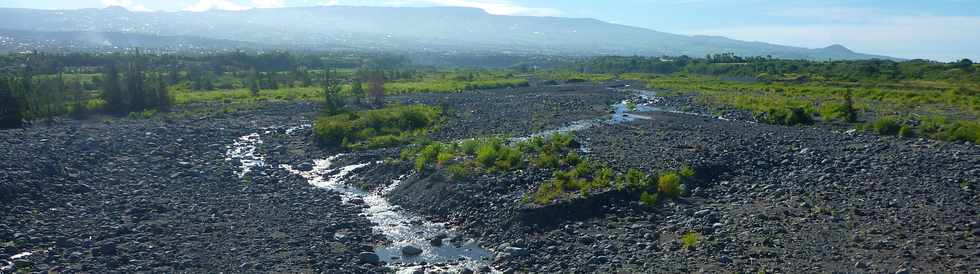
265,4
206,5
942,38
127,4
498,7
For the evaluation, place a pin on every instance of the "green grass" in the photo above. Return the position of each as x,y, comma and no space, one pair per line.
953,108
390,126
670,184
571,76
690,240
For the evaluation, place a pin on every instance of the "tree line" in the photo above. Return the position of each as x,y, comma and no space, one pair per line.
768,68
123,88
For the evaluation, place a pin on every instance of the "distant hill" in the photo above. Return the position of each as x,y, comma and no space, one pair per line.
437,29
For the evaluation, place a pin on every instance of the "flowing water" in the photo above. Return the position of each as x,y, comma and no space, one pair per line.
401,227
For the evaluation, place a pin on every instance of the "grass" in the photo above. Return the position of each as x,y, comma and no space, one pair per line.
377,128
670,184
690,240
947,111
571,76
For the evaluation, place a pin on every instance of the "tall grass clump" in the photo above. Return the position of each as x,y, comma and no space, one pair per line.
375,128
670,184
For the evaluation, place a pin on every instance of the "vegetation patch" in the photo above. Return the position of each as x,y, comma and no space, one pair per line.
386,127
572,175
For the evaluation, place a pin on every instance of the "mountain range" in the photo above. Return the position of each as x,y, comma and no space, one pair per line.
430,29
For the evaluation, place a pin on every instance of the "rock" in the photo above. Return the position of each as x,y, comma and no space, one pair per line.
860,265
368,257
599,260
516,251
437,240
305,166
22,264
724,259
902,271
466,271
106,249
411,251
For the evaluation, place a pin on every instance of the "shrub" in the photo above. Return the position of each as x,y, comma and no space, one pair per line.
690,240
687,172
444,157
572,159
788,116
383,141
636,179
603,178
582,169
905,131
548,192
351,129
509,158
459,172
470,147
669,184
487,155
886,126
547,160
649,199
427,155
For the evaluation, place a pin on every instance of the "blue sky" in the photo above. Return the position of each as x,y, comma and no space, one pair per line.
936,29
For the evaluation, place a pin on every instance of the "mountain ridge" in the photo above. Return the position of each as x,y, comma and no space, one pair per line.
437,29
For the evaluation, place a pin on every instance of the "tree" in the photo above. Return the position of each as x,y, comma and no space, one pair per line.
966,65
357,89
376,88
252,81
850,114
164,101
11,105
78,106
333,102
111,90
135,87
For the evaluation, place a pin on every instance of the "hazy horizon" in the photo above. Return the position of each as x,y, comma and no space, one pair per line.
938,30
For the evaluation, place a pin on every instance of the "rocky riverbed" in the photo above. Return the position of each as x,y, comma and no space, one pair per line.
171,196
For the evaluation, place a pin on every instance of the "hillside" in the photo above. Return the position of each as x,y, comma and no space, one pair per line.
399,28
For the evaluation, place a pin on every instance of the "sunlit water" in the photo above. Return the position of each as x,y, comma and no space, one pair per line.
400,227
403,228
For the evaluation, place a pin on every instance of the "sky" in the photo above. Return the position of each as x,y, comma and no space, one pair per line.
942,30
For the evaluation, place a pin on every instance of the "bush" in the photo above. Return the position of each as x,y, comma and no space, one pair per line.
487,155
636,179
351,130
470,147
459,172
508,158
572,159
669,184
687,172
548,192
427,155
787,116
582,169
905,131
603,178
690,240
886,126
443,158
649,199
547,160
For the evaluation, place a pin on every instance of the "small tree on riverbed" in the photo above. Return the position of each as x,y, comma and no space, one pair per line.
11,105
376,88
333,101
